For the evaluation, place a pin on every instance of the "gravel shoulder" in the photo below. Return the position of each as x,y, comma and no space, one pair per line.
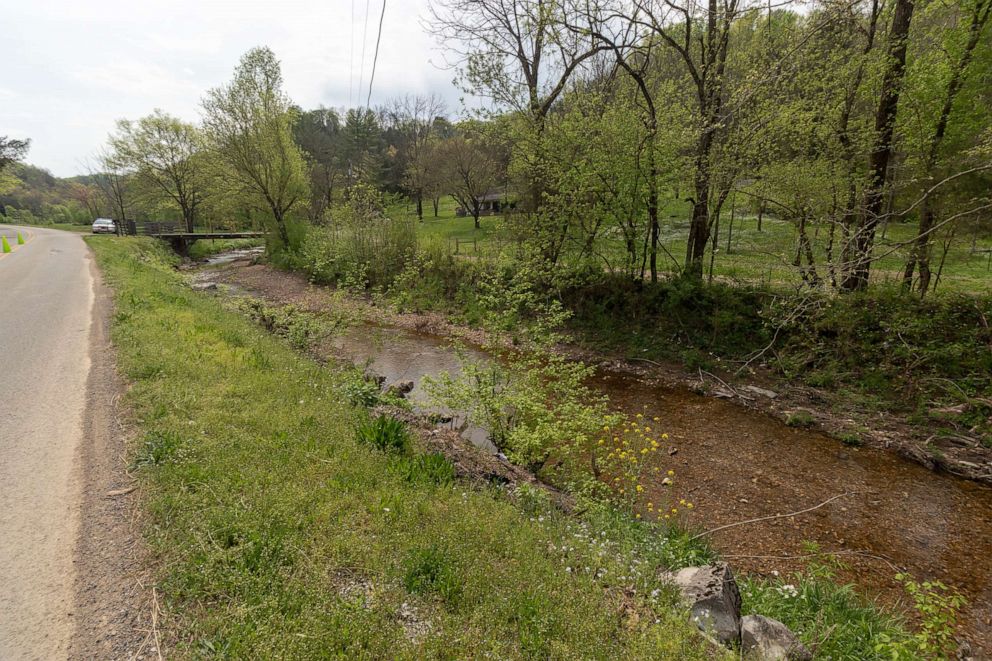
113,588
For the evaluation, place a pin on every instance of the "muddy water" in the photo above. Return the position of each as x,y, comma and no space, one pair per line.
735,465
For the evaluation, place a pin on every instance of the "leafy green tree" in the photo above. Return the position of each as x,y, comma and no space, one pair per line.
165,155
248,125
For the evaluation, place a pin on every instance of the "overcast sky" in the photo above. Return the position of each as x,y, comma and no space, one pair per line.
70,68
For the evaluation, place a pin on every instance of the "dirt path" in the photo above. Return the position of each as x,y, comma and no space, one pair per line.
53,386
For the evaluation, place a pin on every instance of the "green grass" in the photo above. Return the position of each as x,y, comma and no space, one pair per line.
744,254
280,534
805,603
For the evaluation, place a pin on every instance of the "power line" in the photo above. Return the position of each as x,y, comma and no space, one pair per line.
365,34
351,56
376,58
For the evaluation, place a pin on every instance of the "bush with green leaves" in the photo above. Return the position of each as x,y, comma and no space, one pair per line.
362,247
530,399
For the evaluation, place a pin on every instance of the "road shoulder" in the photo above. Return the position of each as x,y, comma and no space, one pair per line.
113,591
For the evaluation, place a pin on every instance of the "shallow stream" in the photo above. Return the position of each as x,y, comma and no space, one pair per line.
735,464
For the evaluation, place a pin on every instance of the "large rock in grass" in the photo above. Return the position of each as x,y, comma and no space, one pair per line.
769,640
714,601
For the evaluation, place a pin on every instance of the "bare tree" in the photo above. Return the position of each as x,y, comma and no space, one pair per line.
414,118
114,182
472,172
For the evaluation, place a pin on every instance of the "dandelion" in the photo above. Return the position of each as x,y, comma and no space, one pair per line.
640,488
671,473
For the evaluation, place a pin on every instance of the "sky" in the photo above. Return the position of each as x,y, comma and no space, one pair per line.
69,68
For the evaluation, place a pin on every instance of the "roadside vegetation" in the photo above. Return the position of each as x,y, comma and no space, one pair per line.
287,519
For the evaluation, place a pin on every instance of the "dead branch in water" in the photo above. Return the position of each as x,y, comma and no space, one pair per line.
773,516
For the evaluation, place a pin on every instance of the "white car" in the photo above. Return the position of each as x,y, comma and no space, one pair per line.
104,226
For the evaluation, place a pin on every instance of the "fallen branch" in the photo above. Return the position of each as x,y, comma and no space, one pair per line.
804,556
773,516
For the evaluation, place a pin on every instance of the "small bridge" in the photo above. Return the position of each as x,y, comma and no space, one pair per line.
180,240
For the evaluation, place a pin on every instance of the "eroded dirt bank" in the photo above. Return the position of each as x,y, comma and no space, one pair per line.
737,463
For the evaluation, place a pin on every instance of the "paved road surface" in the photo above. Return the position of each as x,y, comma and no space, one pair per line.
46,301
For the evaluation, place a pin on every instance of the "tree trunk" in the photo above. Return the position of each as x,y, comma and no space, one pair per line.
420,206
920,254
436,201
878,162
653,209
281,227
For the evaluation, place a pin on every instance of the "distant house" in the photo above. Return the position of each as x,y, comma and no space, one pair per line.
492,203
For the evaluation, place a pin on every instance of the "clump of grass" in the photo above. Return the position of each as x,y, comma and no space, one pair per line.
433,468
430,571
385,433
157,448
807,601
851,439
801,419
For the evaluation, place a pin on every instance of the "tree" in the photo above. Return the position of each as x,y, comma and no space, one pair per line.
856,278
320,135
413,120
472,171
248,125
919,257
114,182
12,150
165,154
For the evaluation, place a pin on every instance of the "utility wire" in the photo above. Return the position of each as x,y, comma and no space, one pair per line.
365,34
351,56
376,58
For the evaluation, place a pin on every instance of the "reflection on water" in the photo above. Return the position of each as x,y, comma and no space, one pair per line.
736,464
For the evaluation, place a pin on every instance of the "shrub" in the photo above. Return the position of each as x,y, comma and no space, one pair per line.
363,247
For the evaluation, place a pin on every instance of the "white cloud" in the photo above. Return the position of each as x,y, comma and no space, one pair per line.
71,69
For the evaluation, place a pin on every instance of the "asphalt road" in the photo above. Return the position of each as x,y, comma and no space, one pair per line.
46,306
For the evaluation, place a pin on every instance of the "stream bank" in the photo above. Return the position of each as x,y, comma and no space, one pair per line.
735,464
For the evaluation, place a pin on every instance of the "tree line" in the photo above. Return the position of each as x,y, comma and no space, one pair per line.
840,118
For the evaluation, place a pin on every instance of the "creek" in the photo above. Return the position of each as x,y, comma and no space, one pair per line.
736,464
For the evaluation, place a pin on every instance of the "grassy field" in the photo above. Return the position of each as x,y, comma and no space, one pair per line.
743,253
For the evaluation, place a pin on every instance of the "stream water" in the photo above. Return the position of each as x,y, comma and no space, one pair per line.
735,464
